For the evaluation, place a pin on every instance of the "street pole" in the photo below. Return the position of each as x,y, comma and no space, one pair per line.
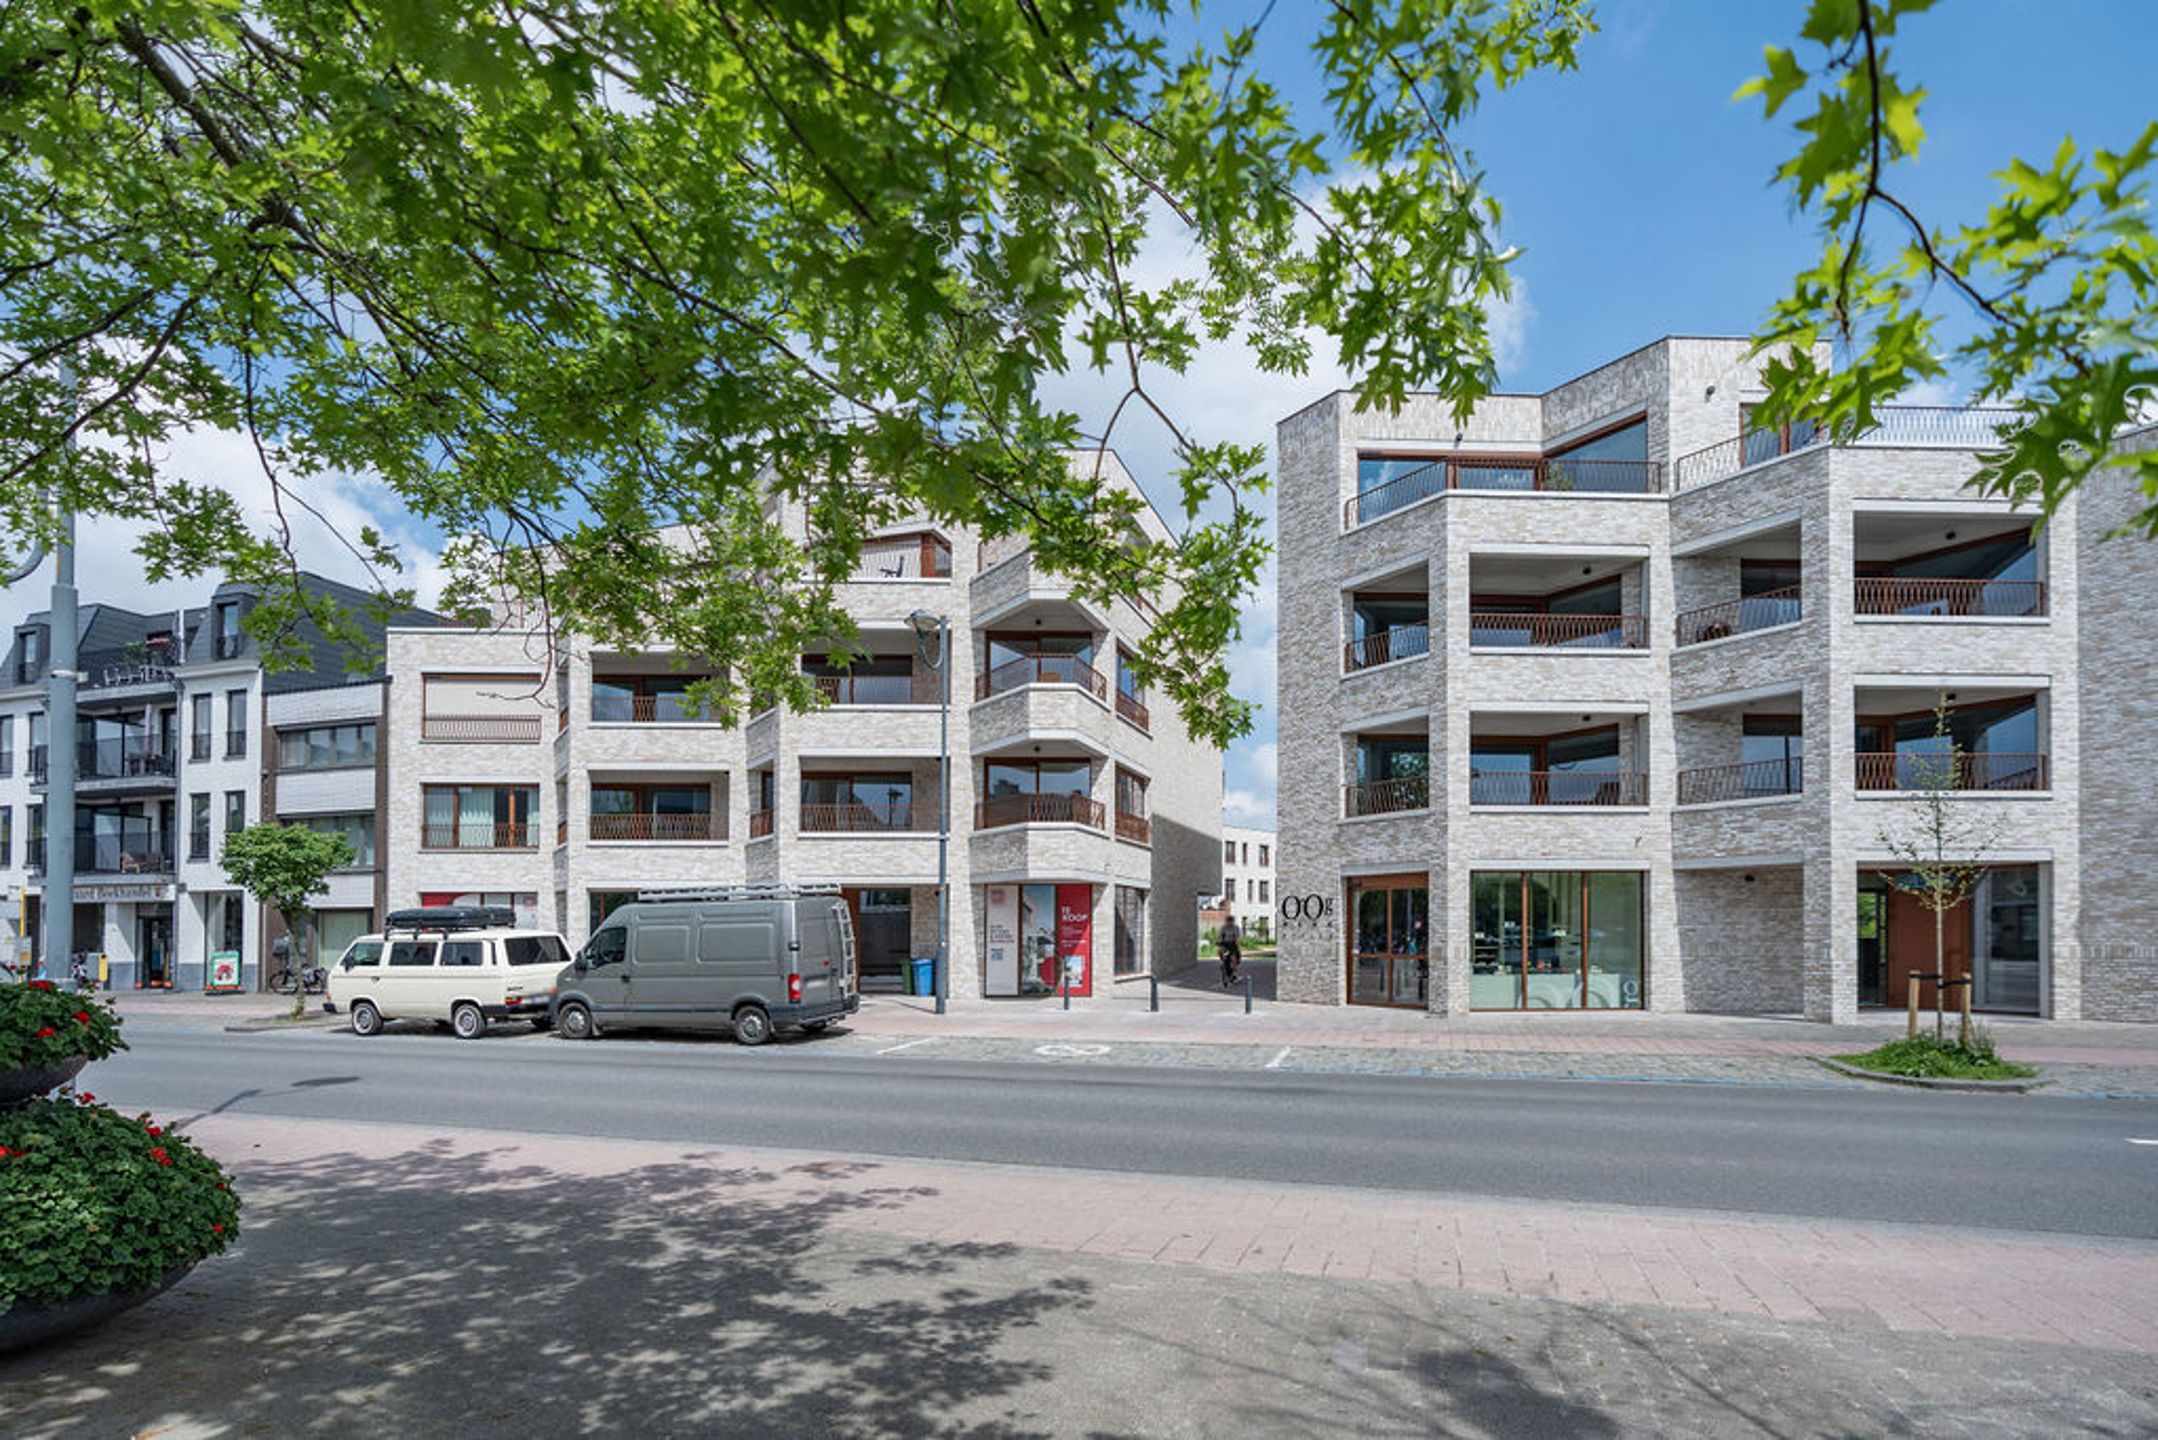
944,813
60,749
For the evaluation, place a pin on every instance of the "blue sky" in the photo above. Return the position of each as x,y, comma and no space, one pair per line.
1639,193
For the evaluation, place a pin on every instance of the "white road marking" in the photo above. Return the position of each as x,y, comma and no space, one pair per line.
1275,1063
908,1045
1071,1052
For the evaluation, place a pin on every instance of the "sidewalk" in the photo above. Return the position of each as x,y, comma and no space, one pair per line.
396,1279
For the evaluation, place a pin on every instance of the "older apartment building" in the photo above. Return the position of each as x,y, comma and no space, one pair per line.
1608,697
1247,879
1085,822
182,738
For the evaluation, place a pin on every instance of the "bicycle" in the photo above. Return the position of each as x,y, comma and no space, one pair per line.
1232,960
312,978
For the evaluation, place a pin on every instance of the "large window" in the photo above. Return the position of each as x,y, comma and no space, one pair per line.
599,904
480,817
1998,740
200,734
235,811
1130,931
327,747
862,803
7,744
1581,768
1393,772
1019,791
643,699
1773,749
7,835
1556,940
652,812
1390,940
357,829
198,826
235,724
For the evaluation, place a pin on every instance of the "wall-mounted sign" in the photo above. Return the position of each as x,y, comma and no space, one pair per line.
144,894
224,972
1312,909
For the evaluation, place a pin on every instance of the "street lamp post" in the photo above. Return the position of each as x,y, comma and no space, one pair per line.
926,624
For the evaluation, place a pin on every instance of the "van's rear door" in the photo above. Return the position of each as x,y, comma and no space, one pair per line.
824,953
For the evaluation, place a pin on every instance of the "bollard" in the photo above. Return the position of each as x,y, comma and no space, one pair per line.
1910,1024
1153,994
1247,994
1065,981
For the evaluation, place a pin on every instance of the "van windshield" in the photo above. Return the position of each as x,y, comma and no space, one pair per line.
535,950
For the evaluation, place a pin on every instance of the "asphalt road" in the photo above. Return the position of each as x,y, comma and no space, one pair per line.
2023,1163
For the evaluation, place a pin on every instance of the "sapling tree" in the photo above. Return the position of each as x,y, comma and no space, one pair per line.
285,867
1940,847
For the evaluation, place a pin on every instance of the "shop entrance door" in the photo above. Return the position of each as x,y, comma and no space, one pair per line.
884,935
154,945
1390,940
1909,947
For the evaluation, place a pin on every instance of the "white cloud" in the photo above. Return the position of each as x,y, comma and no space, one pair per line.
1246,807
109,571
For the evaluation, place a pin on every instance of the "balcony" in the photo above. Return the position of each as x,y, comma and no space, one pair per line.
1524,473
235,744
1386,797
1050,809
1963,771
871,689
1941,427
1571,632
127,667
609,708
1133,709
1917,596
705,826
1041,670
481,729
925,556
1764,611
903,817
1135,828
1584,787
760,824
516,835
1403,642
1748,780
130,851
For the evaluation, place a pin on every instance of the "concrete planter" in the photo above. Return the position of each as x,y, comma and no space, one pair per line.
24,1326
16,1086
1927,1082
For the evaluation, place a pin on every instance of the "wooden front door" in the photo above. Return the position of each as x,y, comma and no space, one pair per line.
1910,947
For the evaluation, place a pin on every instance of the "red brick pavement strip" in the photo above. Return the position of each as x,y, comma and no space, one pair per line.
1928,1280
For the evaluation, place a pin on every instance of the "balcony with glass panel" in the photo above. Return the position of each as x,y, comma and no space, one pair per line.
1389,771
1387,621
893,800
1987,566
1738,588
657,809
1537,760
1581,603
1995,740
1748,751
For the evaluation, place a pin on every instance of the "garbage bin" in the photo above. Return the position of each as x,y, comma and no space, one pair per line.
922,975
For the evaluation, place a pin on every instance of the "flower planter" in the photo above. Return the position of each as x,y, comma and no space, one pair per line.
17,1086
27,1325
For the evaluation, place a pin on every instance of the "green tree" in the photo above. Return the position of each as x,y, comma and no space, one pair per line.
285,867
565,275
2055,285
1940,845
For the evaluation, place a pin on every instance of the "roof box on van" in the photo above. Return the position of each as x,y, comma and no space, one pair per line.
453,917
738,892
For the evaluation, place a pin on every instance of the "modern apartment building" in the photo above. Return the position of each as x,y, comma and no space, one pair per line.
1247,879
175,716
1084,821
1612,697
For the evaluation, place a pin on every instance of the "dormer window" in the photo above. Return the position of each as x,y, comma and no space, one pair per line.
227,619
29,654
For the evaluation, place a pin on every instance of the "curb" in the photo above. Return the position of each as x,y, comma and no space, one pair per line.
305,1022
1927,1082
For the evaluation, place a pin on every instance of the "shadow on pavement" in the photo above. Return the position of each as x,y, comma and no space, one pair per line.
432,1292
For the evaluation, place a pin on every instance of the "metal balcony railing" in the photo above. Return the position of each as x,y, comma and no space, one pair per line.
1403,642
644,710
128,665
129,852
760,824
198,746
1948,427
1135,828
1920,596
1737,617
1057,809
482,729
1571,632
235,744
1923,770
852,818
1132,708
1525,473
1748,780
1386,797
1041,670
1558,787
866,689
459,835
707,826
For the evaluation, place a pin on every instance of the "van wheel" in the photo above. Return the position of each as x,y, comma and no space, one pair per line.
467,1021
366,1019
574,1022
751,1025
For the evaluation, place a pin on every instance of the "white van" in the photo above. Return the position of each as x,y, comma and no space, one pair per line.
459,965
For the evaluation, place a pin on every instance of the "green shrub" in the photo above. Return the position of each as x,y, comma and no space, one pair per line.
41,1025
1932,1059
96,1201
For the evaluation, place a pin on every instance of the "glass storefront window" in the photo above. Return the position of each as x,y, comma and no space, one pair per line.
1557,940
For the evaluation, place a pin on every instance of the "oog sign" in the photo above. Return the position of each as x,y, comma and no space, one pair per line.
1308,909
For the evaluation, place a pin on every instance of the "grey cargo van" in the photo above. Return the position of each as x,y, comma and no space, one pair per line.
752,959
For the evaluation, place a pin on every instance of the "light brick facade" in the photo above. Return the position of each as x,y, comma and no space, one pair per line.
1751,875
879,738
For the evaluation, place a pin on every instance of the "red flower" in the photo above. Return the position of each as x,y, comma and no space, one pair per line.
152,1129
217,1228
82,1017
47,1033
85,1097
158,1154
41,984
5,1152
